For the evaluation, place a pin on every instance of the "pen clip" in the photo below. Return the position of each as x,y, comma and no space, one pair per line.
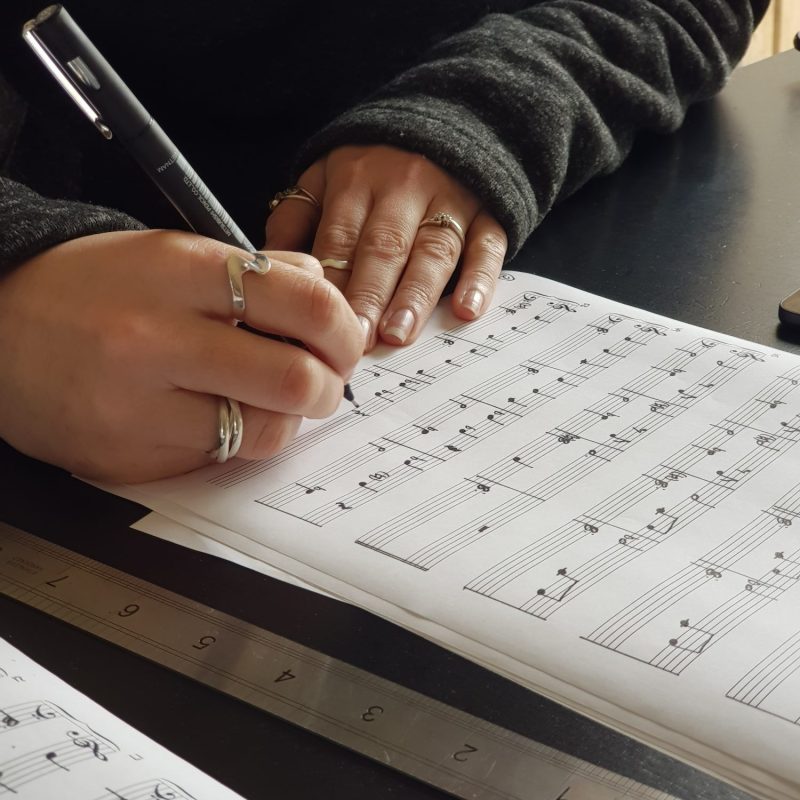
68,82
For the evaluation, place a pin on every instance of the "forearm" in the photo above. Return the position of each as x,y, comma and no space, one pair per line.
524,109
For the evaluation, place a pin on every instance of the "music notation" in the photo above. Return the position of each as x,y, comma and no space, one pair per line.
67,746
595,500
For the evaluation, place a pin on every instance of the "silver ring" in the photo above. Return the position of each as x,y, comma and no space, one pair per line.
442,220
293,193
237,266
230,428
336,263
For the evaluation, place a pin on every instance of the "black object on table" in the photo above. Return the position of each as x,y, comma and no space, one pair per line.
702,226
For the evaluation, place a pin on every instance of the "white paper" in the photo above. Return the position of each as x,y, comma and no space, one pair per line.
56,742
596,501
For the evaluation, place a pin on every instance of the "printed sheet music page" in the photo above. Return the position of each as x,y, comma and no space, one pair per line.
598,502
56,742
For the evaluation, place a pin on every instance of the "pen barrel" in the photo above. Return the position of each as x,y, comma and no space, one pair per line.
174,176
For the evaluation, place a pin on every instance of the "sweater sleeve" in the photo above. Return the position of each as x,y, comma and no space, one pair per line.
525,108
30,223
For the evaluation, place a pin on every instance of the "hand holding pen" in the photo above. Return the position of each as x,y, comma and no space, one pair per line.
122,362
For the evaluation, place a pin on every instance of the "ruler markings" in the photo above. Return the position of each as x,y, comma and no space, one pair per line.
464,755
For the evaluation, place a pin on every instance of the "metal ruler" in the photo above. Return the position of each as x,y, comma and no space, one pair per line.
435,743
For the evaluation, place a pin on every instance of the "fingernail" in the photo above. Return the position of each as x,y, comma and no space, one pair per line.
366,326
399,325
473,301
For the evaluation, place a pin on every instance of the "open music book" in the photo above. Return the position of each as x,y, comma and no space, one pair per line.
598,502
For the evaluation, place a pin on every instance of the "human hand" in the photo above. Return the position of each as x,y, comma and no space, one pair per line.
373,200
117,347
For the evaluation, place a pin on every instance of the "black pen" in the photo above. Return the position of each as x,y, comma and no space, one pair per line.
100,93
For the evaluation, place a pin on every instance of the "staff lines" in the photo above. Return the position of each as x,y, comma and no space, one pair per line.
630,629
493,518
483,394
622,504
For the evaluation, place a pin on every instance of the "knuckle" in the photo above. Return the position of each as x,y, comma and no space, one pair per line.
492,246
440,246
417,294
310,263
337,238
386,243
324,304
128,338
299,385
368,299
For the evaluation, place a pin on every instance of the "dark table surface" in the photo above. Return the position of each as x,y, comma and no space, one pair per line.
702,226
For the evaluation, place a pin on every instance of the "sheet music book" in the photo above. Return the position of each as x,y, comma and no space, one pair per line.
56,742
598,502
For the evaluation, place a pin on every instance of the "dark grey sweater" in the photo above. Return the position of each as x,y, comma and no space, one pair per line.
521,101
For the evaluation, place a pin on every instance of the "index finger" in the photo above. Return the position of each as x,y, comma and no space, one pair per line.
286,301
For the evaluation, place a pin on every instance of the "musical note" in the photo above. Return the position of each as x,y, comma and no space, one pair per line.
663,523
571,584
771,403
424,429
6,720
697,499
311,489
52,757
705,641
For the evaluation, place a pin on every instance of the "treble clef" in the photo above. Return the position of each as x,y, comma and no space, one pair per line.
91,744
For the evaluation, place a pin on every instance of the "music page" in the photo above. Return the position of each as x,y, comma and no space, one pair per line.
56,742
601,503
